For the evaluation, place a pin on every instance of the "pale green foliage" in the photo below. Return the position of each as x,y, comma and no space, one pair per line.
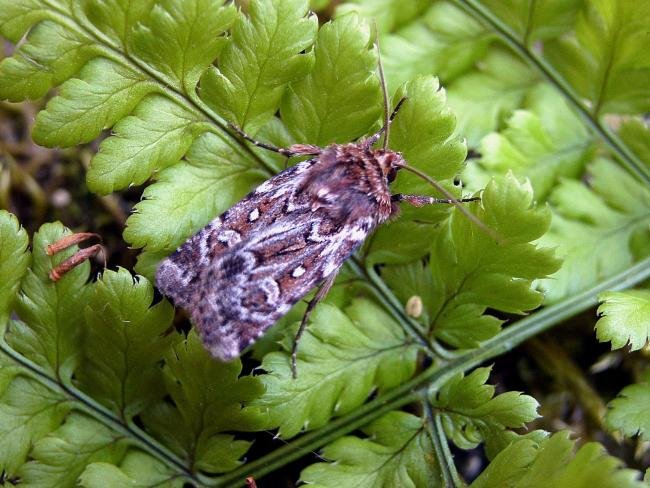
485,97
59,458
110,337
397,452
636,135
628,412
13,262
534,21
599,229
28,411
443,40
95,388
461,281
555,462
471,413
426,139
49,332
607,61
156,135
136,470
197,385
544,143
343,358
263,55
339,99
625,318
123,342
387,14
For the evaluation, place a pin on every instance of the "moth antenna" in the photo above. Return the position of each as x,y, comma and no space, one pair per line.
384,92
473,218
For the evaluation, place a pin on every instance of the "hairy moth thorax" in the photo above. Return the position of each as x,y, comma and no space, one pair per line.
354,169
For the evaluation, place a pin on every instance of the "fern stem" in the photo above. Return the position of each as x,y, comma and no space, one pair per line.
435,376
444,458
391,303
611,140
83,403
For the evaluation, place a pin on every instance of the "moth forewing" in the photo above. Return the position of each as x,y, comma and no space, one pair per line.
245,269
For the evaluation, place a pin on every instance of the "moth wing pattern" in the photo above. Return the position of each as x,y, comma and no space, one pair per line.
178,276
245,269
260,279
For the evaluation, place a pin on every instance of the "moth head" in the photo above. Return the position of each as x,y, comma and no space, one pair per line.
389,162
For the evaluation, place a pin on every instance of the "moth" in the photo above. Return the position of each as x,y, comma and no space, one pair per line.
244,270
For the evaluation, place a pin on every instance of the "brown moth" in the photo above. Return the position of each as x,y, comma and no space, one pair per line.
245,269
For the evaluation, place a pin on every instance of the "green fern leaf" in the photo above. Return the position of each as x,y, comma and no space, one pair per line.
136,470
61,457
14,260
155,136
123,342
475,272
443,41
624,318
527,464
262,57
423,132
208,397
340,98
628,412
28,411
599,230
104,93
49,333
342,359
116,19
545,143
471,414
533,21
484,98
396,452
636,135
181,39
50,55
387,14
607,61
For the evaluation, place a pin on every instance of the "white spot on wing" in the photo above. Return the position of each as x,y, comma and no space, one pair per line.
298,272
229,237
264,187
254,215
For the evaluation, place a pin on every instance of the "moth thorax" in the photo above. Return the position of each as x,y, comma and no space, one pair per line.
389,162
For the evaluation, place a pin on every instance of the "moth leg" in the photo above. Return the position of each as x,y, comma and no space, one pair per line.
375,137
421,200
320,294
294,150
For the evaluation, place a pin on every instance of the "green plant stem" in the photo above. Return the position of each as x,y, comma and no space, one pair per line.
444,458
507,35
82,402
435,376
391,303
